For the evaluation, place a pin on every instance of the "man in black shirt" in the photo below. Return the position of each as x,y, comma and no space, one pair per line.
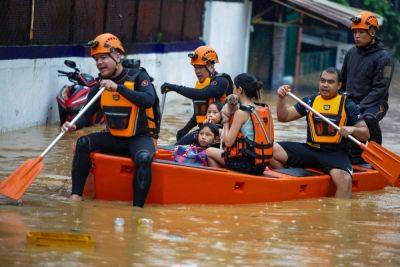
326,147
367,72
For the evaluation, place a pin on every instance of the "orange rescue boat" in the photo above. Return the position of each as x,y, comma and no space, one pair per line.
179,183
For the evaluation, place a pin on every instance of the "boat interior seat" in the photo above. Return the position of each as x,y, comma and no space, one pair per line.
297,172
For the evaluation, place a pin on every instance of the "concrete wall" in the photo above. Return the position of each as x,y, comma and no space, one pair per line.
227,30
30,86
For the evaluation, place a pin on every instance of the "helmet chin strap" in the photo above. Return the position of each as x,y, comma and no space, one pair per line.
210,70
373,39
372,32
118,64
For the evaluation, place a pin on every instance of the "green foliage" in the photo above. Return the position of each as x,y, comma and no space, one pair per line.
391,26
343,2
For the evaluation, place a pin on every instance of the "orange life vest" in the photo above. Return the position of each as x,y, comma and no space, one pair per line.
334,110
261,148
122,115
200,106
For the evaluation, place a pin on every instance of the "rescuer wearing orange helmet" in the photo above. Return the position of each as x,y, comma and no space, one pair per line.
210,87
131,109
366,75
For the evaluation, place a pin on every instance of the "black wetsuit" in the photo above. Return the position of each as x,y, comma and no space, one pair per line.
220,84
139,147
366,75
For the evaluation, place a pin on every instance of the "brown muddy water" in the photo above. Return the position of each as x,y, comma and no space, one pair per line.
363,231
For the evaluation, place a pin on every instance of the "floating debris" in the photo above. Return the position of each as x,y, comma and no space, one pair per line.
119,222
63,239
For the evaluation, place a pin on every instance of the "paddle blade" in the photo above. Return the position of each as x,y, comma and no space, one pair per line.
383,160
15,185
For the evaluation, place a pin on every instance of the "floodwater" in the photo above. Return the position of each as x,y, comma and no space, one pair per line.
363,231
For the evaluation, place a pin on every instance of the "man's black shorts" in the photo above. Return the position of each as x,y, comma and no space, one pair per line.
301,155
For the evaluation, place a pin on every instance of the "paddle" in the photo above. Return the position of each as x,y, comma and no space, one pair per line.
383,160
164,96
15,185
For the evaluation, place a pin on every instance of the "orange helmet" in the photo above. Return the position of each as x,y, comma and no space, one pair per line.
203,55
364,21
105,43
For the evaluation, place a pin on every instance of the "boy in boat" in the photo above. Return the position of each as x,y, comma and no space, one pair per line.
325,147
130,105
210,87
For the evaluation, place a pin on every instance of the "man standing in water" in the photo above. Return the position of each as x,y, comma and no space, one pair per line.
366,74
325,147
130,105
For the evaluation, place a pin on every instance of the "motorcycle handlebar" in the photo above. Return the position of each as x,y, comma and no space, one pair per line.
75,77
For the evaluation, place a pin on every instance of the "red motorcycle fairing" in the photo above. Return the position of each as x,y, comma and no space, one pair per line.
73,98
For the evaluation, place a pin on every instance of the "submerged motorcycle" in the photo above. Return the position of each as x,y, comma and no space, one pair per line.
73,97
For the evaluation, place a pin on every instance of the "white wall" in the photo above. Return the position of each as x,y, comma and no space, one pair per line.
29,86
227,30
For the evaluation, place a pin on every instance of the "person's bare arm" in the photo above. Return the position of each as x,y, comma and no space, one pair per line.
239,118
283,111
359,131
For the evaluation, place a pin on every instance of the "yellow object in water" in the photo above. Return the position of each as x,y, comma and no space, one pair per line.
61,239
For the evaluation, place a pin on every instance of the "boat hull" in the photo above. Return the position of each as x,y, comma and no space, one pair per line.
175,183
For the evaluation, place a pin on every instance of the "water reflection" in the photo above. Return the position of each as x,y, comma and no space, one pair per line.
361,231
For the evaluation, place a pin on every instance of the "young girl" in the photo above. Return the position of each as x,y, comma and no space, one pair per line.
213,116
195,153
214,113
248,136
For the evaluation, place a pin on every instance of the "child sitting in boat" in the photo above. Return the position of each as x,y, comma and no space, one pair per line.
213,116
195,153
